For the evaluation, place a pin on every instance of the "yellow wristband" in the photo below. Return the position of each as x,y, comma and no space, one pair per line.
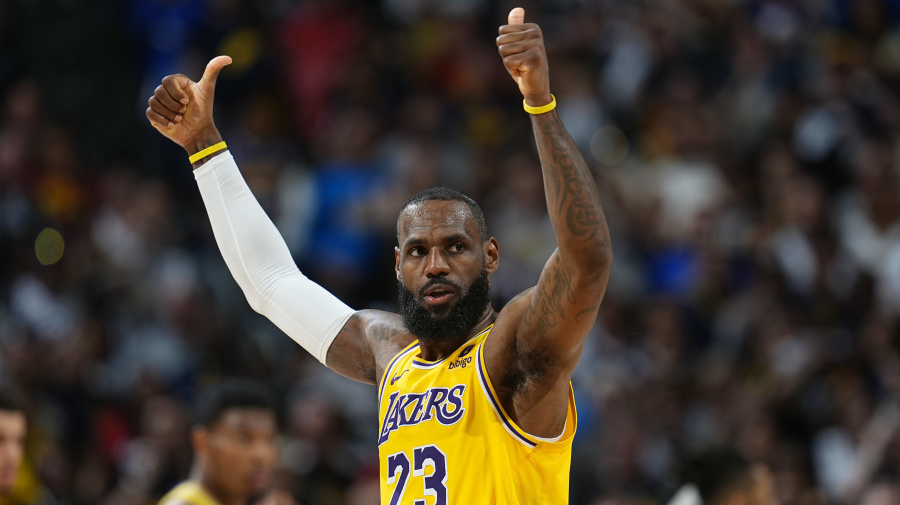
194,158
542,109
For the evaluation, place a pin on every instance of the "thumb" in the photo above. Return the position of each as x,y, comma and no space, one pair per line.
517,16
212,71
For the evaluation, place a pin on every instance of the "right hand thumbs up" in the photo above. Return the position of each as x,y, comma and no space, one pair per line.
181,109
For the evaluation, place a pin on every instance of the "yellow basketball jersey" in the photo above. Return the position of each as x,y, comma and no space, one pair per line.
188,492
446,440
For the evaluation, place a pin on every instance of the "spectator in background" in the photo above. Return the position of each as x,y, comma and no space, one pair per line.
234,445
882,493
12,446
723,477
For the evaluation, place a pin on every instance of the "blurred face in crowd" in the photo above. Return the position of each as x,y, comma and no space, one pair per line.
756,489
882,494
238,453
12,441
762,492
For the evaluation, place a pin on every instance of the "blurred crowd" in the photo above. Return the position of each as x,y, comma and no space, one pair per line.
746,152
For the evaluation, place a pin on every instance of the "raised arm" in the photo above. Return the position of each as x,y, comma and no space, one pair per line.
251,245
557,315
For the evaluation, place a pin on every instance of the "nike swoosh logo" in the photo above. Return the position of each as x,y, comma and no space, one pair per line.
397,377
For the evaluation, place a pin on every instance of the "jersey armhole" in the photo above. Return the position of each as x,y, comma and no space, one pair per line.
530,441
387,370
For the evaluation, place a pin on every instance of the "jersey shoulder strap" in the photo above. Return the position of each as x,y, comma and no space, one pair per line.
189,492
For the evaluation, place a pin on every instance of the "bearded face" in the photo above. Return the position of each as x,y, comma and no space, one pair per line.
435,323
443,261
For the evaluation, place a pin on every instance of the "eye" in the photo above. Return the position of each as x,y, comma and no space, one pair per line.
457,247
417,251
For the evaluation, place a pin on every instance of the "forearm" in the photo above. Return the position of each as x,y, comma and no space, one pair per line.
261,263
572,198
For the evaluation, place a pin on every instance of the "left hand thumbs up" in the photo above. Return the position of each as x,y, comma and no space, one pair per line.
521,46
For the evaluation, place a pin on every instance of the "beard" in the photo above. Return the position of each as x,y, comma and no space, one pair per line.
444,323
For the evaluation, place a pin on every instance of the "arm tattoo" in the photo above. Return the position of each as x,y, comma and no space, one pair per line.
549,306
571,194
347,357
587,311
359,357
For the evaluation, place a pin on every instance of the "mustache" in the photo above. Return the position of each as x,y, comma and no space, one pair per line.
440,281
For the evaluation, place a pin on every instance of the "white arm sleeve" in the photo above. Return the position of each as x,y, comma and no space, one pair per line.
261,264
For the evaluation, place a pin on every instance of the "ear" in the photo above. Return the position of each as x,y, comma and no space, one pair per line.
397,262
491,255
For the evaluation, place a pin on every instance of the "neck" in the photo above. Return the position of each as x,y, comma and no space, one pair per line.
434,351
217,493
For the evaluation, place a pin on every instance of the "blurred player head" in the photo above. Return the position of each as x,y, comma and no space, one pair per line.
724,477
12,441
234,434
444,257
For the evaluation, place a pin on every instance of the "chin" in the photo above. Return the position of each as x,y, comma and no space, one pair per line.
438,312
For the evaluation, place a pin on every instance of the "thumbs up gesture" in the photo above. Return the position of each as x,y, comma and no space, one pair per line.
181,109
521,45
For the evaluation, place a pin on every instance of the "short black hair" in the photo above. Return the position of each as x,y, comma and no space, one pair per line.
9,401
716,471
447,194
231,394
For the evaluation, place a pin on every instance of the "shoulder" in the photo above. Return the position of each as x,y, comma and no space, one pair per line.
385,332
511,314
174,501
503,335
512,361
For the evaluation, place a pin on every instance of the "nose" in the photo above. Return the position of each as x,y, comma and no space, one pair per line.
436,263
262,453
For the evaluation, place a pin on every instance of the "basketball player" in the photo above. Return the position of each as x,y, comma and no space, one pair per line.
234,447
475,405
721,476
12,444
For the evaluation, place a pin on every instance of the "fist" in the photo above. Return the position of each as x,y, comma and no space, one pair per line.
521,46
181,109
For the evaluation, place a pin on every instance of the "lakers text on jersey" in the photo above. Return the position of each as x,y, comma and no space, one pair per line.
445,439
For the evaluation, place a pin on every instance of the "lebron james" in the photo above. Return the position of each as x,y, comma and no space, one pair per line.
475,405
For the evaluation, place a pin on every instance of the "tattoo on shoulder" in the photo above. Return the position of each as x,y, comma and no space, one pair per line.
383,332
520,296
548,310
348,357
585,312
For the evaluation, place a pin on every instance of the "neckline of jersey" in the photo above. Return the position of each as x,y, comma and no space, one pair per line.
418,357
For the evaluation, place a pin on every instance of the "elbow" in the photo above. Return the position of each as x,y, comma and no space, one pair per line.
256,301
600,259
596,266
256,297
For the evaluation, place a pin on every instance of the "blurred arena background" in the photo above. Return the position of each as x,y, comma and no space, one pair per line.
747,155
